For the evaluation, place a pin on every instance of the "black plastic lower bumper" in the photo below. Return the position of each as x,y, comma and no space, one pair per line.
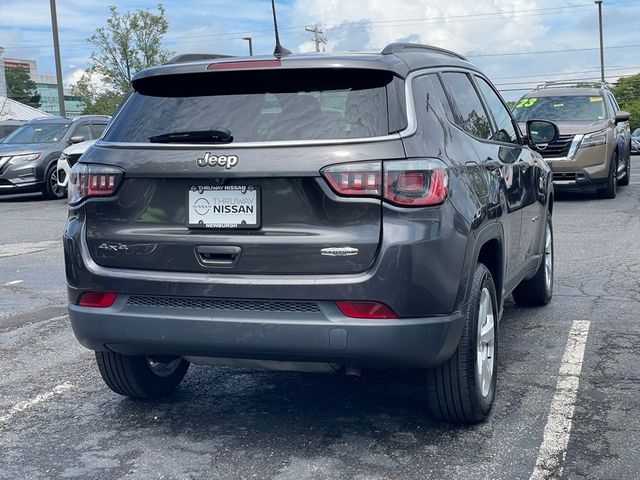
322,335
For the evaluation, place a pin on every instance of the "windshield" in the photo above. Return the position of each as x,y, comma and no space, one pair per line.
636,132
561,108
38,133
261,106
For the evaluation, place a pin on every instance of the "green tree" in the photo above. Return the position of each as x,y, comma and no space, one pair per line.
130,42
97,100
627,89
21,88
627,93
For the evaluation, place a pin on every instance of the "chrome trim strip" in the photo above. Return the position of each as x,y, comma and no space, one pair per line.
412,127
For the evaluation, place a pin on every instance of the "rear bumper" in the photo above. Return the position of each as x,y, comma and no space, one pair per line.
319,334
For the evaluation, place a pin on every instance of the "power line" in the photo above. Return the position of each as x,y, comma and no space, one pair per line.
496,14
549,51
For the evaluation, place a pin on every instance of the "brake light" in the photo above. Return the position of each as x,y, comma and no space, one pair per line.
354,179
371,310
88,181
97,299
244,64
406,183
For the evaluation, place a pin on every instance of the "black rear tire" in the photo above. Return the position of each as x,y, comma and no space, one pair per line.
627,172
611,189
454,389
134,376
537,291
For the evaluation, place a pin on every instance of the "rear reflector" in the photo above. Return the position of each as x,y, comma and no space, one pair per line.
244,64
365,310
97,299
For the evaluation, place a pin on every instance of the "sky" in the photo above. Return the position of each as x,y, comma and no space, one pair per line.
538,32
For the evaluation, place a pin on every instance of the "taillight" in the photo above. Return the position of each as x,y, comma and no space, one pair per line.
355,178
87,181
97,299
406,183
415,182
373,310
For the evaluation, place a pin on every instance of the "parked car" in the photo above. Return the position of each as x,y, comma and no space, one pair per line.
8,126
635,141
322,213
68,159
29,155
593,149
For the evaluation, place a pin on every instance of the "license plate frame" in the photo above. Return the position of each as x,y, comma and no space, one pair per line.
203,200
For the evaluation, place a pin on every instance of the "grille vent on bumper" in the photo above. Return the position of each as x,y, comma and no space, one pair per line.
73,159
564,176
559,148
203,303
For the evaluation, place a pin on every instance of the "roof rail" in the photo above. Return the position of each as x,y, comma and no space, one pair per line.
403,47
194,57
571,84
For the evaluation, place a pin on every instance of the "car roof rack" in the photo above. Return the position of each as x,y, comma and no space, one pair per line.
403,47
194,57
571,84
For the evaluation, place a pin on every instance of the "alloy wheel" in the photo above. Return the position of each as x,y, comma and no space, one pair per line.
163,369
485,358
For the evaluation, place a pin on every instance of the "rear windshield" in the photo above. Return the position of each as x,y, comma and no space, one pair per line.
572,108
262,106
38,133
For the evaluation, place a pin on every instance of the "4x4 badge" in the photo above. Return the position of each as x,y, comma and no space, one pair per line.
225,161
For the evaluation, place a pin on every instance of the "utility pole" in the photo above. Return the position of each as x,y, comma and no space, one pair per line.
318,36
250,40
599,3
56,50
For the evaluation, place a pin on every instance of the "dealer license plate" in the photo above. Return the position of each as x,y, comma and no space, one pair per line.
223,206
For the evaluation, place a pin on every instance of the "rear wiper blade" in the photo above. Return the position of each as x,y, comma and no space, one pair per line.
217,135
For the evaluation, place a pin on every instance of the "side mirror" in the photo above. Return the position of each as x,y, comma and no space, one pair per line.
78,139
622,116
541,131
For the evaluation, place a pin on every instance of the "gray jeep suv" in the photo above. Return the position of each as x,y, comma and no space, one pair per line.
29,155
311,212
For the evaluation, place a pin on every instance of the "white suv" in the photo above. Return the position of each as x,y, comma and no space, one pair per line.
68,159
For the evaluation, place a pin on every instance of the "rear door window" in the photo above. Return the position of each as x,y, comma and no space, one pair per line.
262,106
470,114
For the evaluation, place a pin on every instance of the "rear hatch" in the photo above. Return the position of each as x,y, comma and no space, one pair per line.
256,203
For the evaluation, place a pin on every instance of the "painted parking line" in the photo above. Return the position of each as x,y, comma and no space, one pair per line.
553,450
27,404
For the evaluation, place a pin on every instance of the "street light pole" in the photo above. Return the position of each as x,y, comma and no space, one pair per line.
56,49
250,40
599,3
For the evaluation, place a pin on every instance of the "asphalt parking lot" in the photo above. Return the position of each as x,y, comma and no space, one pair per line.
567,373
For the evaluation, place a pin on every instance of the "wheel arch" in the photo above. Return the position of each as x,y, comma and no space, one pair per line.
488,248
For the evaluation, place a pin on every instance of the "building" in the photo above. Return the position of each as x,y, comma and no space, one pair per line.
47,88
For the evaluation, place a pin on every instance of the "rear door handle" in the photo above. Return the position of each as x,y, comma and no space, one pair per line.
218,255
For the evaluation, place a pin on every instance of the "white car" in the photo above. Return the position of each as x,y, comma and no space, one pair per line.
69,158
